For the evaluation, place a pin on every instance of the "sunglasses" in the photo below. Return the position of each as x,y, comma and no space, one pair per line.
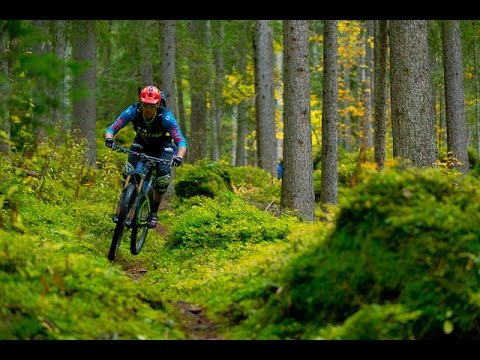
149,106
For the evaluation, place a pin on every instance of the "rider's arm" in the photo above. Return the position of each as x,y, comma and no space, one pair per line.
127,115
181,150
171,124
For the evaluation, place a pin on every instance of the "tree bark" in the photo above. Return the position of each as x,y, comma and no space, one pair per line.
297,184
5,126
329,175
167,64
413,118
242,125
60,116
198,92
217,96
264,97
380,92
167,80
144,49
84,100
477,91
368,86
457,138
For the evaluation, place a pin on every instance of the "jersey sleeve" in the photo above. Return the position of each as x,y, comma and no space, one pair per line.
125,117
171,124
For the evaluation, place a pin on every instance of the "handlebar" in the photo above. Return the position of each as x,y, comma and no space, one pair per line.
141,155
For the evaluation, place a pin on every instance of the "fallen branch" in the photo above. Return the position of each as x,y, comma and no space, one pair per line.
269,205
28,172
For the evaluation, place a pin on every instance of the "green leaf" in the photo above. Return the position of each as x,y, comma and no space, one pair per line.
447,327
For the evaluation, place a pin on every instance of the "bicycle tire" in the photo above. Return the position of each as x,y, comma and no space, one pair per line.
139,225
125,203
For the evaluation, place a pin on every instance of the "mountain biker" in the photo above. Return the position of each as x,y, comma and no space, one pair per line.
280,169
160,136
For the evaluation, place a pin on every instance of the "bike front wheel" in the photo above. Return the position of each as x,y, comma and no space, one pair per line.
125,203
139,225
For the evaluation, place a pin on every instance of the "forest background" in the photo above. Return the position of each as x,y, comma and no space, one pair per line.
371,233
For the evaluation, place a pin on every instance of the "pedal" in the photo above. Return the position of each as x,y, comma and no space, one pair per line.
114,218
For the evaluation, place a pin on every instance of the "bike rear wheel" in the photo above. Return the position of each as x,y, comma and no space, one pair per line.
139,225
125,203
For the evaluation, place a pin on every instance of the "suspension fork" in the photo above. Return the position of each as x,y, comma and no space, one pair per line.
125,184
133,208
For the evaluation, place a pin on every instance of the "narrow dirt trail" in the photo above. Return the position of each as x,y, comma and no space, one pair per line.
195,324
191,317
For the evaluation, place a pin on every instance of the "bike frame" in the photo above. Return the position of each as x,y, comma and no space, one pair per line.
145,169
136,191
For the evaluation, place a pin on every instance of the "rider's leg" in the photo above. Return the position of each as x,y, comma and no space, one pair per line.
162,184
157,200
163,180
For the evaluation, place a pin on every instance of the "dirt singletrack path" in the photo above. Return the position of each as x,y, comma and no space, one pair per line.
191,317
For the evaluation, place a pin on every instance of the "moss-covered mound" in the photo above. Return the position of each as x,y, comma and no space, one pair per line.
214,223
256,186
206,178
47,296
410,239
404,238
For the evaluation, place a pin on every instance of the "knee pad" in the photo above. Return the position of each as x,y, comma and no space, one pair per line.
162,183
128,169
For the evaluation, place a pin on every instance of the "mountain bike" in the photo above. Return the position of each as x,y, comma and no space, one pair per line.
133,209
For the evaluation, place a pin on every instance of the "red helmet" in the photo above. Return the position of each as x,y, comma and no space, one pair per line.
150,95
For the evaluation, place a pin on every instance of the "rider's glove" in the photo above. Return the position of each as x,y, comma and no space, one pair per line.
176,161
109,143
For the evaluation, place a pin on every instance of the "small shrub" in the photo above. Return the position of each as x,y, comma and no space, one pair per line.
216,222
206,178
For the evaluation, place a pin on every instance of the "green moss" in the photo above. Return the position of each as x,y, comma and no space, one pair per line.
375,322
406,239
216,222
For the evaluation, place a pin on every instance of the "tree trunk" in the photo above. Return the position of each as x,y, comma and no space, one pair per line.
380,91
217,97
198,73
477,92
329,175
84,100
441,118
413,118
265,98
345,132
181,106
167,80
242,125
167,64
297,184
210,44
59,115
457,139
41,92
5,93
145,51
368,86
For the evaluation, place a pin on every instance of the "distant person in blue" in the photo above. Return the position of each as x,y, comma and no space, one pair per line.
280,169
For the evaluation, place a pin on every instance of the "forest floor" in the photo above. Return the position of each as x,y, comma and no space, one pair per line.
191,317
